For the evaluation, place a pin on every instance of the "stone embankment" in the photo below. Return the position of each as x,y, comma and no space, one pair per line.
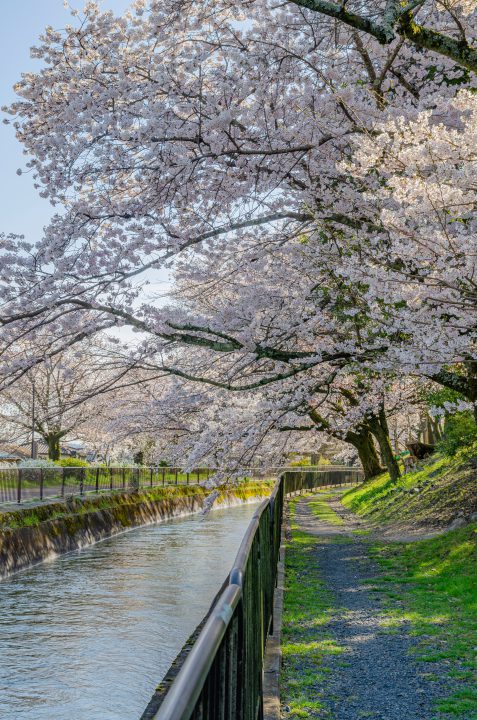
30,536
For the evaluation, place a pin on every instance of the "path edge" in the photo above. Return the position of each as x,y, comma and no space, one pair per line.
273,649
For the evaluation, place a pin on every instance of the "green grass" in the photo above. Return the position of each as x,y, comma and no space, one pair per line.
307,606
321,509
446,486
432,586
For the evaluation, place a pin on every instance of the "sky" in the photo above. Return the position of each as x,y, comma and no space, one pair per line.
22,210
22,21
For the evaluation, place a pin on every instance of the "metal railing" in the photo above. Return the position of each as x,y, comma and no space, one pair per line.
18,485
299,479
221,678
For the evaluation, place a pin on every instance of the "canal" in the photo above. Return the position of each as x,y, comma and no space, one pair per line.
90,634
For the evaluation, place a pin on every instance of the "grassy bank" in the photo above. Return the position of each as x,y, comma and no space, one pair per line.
431,585
433,495
33,516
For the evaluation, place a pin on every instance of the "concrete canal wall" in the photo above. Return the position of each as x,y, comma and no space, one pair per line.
30,536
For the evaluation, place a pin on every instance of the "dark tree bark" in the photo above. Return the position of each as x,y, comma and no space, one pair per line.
397,20
53,442
378,426
363,441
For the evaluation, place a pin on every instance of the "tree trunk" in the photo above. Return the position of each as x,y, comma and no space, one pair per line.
436,430
378,425
53,442
471,367
362,440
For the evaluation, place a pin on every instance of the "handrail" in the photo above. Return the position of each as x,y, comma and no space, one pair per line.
221,678
238,568
185,691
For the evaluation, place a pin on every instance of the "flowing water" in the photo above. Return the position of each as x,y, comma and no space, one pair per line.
90,634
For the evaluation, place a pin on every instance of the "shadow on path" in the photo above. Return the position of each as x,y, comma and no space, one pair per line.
375,676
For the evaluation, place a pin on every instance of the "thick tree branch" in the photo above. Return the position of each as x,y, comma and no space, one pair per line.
397,19
339,12
458,50
225,346
452,380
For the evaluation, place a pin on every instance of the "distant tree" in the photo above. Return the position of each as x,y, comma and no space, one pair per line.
56,397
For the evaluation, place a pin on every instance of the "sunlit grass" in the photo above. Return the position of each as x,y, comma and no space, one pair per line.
439,489
321,509
431,585
372,495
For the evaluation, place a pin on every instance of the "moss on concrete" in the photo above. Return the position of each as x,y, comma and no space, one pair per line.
34,516
31,535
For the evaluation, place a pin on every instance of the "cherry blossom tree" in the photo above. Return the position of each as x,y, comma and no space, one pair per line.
61,395
307,180
424,253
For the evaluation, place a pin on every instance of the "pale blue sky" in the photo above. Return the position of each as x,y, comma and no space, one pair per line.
22,21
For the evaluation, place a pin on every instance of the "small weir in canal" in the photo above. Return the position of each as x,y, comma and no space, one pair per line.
90,634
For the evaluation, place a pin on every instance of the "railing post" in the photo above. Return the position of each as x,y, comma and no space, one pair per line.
82,481
222,677
41,483
123,475
151,475
177,474
163,476
97,480
110,478
188,477
19,486
198,476
62,482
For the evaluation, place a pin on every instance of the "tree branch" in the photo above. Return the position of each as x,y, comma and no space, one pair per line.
458,50
339,12
451,380
398,19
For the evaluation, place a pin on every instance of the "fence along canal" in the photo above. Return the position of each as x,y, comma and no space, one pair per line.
221,678
18,485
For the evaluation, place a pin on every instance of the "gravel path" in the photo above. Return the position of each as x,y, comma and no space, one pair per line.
376,677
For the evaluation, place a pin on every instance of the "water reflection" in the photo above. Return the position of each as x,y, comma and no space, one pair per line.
89,635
